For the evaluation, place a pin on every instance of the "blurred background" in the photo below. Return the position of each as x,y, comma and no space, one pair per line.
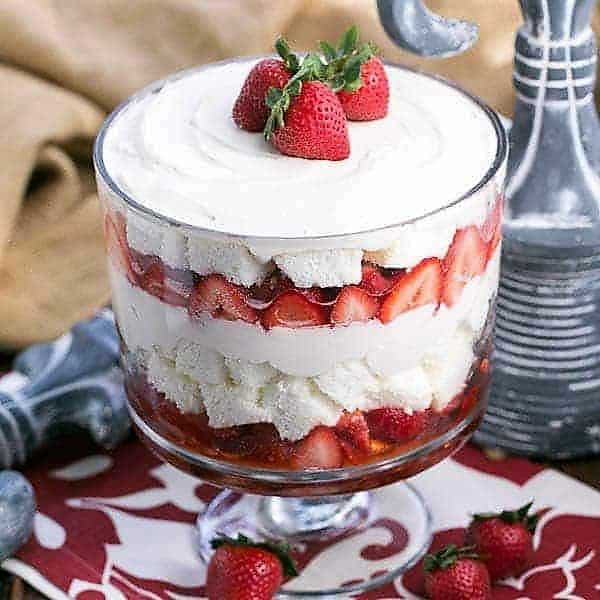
64,64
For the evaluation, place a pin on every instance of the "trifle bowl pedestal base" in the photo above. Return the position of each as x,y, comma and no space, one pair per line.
349,530
341,544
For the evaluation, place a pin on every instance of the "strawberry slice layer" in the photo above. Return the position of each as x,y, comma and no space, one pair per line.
172,286
465,260
221,299
292,309
115,235
320,449
353,304
375,282
353,428
422,285
395,425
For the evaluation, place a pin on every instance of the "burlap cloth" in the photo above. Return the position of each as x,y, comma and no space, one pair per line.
65,63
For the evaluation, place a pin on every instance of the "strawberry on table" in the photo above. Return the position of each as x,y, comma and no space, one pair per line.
221,299
353,304
465,260
241,569
504,540
394,424
320,449
456,574
358,76
292,309
250,110
422,285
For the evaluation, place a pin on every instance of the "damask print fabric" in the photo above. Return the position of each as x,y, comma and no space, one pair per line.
119,525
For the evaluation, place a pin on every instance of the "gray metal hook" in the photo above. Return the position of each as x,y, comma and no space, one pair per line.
415,28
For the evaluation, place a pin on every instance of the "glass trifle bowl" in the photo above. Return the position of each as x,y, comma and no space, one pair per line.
306,334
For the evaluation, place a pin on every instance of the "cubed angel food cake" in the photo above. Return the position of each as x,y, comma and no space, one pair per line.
301,312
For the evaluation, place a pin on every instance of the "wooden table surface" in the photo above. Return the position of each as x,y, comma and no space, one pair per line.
12,588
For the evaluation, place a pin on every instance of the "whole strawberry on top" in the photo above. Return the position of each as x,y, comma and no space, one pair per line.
314,127
302,105
250,111
456,574
504,540
307,119
358,76
241,569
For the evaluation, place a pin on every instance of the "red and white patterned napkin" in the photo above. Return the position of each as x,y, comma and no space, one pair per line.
119,526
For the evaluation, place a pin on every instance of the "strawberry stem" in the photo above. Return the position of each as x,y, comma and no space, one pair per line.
338,68
279,549
343,65
290,59
448,556
520,515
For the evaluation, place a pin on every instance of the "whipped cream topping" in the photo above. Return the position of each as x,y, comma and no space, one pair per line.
178,152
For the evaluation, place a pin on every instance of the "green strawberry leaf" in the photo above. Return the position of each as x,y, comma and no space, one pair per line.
342,68
289,58
329,52
312,68
447,556
520,515
348,40
273,96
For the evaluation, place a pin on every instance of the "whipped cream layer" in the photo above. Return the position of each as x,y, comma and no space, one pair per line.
178,152
299,378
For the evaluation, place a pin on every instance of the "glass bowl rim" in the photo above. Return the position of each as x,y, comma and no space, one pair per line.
155,86
309,476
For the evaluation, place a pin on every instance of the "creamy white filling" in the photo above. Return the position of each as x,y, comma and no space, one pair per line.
299,378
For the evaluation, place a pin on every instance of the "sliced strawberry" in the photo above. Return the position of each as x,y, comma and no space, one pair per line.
370,101
294,310
466,259
491,230
320,449
178,285
141,262
222,299
250,110
353,304
152,279
315,294
422,285
172,286
263,294
353,428
115,235
314,125
375,281
395,425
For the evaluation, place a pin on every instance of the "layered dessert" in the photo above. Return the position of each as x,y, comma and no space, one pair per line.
293,313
